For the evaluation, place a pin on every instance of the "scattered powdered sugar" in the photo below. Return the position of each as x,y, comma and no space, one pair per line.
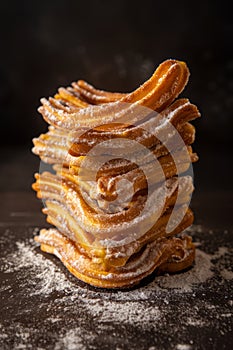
46,275
21,334
107,310
183,347
3,334
185,282
227,274
71,315
73,339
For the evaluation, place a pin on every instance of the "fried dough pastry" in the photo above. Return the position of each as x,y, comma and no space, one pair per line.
119,191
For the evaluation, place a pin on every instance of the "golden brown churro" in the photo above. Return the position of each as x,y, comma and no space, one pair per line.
120,162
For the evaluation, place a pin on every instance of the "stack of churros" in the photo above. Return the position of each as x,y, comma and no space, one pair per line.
120,186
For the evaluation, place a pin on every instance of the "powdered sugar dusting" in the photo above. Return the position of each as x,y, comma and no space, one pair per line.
45,273
73,339
48,277
133,314
48,308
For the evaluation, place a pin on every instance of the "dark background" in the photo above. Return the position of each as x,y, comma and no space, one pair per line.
116,46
